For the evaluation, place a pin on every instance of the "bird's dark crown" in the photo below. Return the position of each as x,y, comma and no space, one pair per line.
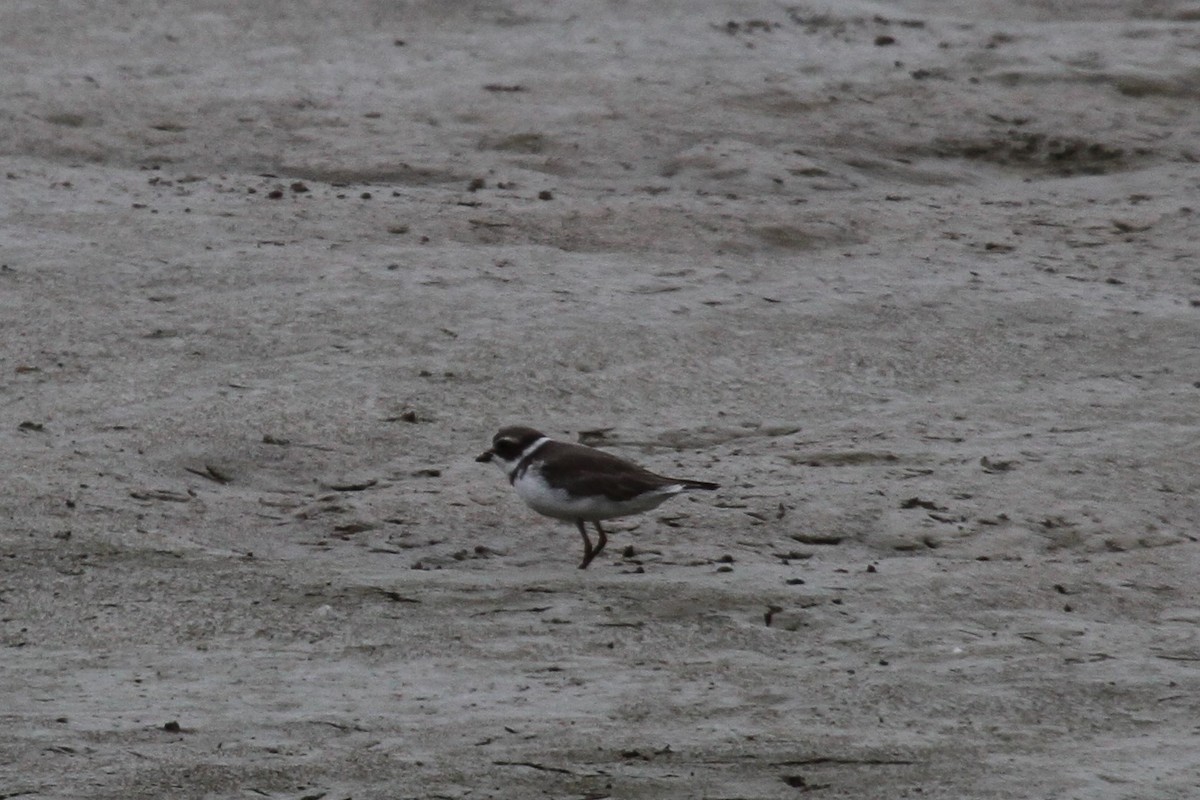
510,442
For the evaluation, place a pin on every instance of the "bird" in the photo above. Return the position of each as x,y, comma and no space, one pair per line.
579,484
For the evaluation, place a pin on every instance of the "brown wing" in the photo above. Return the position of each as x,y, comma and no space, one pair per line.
583,470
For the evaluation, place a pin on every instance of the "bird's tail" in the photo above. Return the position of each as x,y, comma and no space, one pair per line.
705,485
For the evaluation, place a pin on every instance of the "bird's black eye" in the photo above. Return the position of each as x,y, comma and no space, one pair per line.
506,448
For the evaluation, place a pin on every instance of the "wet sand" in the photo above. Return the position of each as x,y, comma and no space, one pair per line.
915,282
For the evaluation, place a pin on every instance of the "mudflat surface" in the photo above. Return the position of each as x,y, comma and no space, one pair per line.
916,282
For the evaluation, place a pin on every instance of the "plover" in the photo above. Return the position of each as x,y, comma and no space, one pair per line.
579,484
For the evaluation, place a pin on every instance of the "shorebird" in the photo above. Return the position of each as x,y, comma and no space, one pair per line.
579,484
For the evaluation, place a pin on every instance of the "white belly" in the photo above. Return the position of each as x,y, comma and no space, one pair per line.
556,503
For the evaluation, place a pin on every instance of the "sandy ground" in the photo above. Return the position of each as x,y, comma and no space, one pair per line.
916,282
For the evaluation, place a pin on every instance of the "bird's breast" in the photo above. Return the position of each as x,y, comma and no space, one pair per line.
555,502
